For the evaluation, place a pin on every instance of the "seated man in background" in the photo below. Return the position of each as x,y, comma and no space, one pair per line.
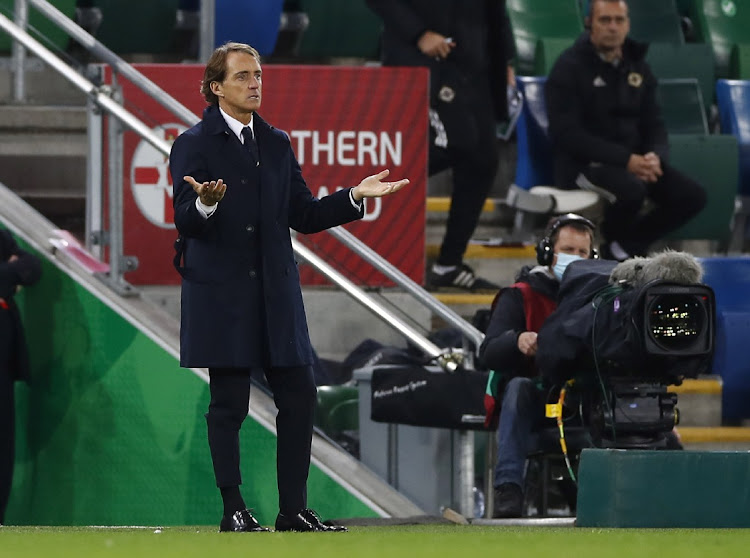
510,344
609,135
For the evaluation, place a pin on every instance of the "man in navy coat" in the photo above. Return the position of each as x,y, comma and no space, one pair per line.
237,190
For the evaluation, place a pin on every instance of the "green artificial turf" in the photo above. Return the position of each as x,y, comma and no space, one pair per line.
382,542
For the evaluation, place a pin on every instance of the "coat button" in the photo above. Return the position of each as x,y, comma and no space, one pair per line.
253,274
250,228
243,181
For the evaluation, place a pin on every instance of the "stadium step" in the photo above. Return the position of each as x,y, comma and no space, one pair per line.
442,204
487,254
477,251
43,152
715,437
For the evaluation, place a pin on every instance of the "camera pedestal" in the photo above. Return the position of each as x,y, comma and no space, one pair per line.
648,488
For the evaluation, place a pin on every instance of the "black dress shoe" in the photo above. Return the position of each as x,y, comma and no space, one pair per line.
241,522
305,521
313,518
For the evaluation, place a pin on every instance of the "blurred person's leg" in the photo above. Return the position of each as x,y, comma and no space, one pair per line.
186,37
676,199
474,171
7,414
88,16
474,164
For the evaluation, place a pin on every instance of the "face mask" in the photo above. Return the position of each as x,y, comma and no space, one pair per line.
562,262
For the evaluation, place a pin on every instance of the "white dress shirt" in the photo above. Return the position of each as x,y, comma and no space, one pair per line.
236,126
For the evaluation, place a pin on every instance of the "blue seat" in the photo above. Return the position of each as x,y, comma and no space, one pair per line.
255,23
535,156
532,191
729,277
733,100
535,162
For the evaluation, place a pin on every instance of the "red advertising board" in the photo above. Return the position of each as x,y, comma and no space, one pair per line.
345,123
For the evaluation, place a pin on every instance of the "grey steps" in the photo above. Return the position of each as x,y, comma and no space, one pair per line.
43,152
44,86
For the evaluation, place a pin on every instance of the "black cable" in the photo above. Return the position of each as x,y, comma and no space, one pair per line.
604,296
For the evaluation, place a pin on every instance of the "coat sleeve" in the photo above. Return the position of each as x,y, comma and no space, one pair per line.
25,269
186,159
499,350
566,111
308,214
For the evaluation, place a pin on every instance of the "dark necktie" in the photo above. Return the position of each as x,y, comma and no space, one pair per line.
252,147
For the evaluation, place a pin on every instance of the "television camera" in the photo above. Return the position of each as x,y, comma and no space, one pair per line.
625,341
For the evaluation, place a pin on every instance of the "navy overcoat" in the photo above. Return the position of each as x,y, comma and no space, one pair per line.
241,298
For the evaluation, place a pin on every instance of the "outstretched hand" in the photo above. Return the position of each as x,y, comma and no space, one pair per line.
374,187
209,192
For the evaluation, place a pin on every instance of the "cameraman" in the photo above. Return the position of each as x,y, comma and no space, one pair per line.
510,345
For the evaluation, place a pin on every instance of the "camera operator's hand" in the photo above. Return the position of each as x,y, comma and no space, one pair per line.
527,343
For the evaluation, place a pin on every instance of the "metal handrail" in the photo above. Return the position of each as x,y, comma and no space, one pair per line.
404,281
206,45
102,52
444,359
98,95
21,15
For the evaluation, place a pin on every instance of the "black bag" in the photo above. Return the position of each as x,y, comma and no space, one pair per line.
419,396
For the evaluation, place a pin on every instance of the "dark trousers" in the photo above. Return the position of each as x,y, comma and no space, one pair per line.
294,394
7,415
521,415
472,154
676,199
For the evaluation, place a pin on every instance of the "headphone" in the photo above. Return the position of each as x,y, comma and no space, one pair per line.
545,251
